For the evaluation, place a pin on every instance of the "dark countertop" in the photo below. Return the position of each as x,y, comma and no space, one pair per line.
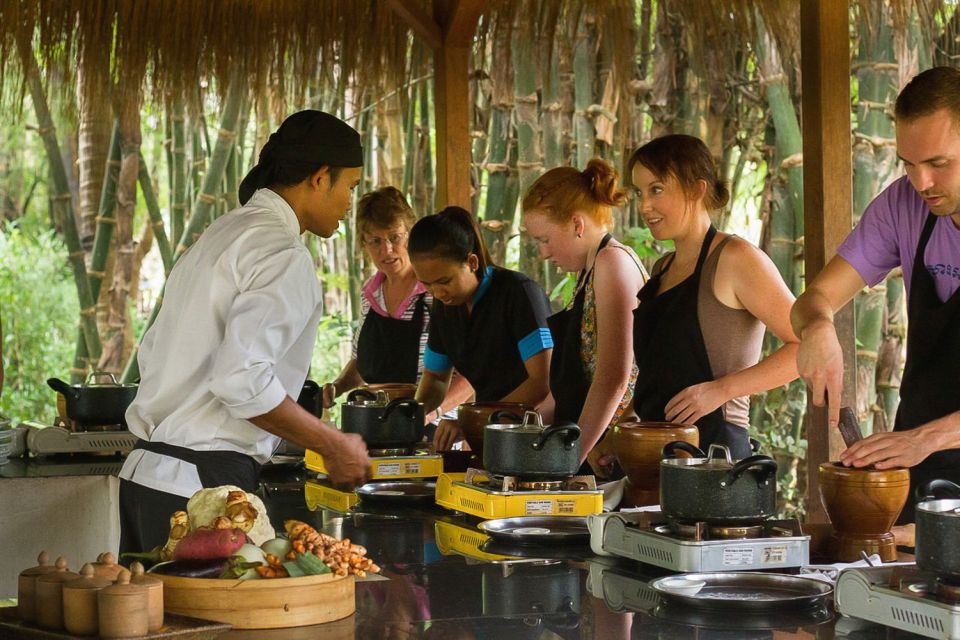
576,596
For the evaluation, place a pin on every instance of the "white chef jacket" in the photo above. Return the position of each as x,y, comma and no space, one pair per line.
233,338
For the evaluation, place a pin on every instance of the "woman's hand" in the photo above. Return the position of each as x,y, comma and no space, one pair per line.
448,432
601,459
695,402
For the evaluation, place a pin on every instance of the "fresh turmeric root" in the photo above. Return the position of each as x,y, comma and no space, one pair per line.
340,555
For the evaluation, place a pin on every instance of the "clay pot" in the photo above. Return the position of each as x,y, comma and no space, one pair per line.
27,587
863,505
638,447
394,390
49,598
473,417
80,602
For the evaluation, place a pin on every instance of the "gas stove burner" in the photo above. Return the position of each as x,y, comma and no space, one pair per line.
946,590
727,532
699,531
507,484
540,485
397,451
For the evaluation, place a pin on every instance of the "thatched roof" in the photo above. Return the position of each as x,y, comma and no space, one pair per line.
287,47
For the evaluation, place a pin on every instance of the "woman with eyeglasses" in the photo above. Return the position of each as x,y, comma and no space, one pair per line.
488,322
395,308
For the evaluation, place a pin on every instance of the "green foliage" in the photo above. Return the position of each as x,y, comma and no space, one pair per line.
641,240
776,420
333,335
38,302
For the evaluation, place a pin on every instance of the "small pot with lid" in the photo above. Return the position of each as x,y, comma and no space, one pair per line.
531,450
382,423
473,417
713,488
938,528
96,403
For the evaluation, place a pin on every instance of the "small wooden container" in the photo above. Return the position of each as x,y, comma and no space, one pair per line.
106,567
122,609
49,598
27,587
154,587
80,602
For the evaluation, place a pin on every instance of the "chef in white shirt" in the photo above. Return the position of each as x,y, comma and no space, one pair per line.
230,349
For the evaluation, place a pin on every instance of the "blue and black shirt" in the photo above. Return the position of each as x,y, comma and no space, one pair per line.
507,326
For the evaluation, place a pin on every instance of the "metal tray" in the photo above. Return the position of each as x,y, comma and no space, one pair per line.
538,529
407,491
747,591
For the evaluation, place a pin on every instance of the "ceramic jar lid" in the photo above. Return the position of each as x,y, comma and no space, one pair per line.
43,566
106,566
123,587
61,574
139,576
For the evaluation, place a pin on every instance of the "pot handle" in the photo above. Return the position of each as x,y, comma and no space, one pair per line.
99,374
767,464
571,430
935,489
408,404
500,414
670,449
366,394
67,390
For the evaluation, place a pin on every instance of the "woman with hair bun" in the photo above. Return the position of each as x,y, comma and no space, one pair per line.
487,322
592,372
698,329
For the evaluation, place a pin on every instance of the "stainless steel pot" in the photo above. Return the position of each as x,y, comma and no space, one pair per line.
96,404
528,449
938,528
713,488
382,424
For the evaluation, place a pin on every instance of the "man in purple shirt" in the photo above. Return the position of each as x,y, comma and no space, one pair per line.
914,224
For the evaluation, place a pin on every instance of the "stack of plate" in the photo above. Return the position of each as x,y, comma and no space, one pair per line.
6,439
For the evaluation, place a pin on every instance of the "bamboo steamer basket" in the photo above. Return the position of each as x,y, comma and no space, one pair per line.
261,604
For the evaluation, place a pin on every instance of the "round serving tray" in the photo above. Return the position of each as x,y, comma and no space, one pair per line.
538,529
747,591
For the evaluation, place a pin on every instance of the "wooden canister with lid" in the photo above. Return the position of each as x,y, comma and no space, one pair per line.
106,567
27,587
80,602
122,609
154,587
49,598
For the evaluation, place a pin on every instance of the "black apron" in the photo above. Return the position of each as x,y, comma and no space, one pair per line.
388,349
569,381
145,512
927,391
671,354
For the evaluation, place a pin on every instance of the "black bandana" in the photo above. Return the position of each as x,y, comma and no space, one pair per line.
308,138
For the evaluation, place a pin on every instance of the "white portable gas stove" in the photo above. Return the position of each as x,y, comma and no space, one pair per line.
481,494
648,537
46,440
902,597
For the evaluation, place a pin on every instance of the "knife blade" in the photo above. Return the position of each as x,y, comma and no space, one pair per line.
849,427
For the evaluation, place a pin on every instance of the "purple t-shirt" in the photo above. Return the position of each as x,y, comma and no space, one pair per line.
887,235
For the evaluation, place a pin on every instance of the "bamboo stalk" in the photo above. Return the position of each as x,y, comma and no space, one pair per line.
156,218
61,202
178,169
584,71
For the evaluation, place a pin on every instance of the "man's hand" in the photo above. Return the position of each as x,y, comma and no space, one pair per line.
448,432
694,402
820,364
329,395
889,450
348,464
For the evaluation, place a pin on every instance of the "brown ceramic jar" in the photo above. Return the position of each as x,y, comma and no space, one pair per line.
473,417
122,609
863,505
27,587
80,602
106,567
154,587
638,447
49,598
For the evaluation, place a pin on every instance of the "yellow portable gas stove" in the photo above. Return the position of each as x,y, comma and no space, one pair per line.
320,494
478,493
462,540
391,464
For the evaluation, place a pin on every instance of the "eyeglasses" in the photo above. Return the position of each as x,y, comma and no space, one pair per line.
395,240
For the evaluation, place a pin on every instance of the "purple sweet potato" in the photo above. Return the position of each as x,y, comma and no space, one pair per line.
208,544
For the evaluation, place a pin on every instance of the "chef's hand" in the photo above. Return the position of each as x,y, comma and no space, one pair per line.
820,364
694,402
890,450
349,465
448,432
329,395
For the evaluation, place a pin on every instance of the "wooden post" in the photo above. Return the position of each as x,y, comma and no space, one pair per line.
827,192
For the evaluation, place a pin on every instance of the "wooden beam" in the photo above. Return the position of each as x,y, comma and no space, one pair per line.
457,20
827,193
418,20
